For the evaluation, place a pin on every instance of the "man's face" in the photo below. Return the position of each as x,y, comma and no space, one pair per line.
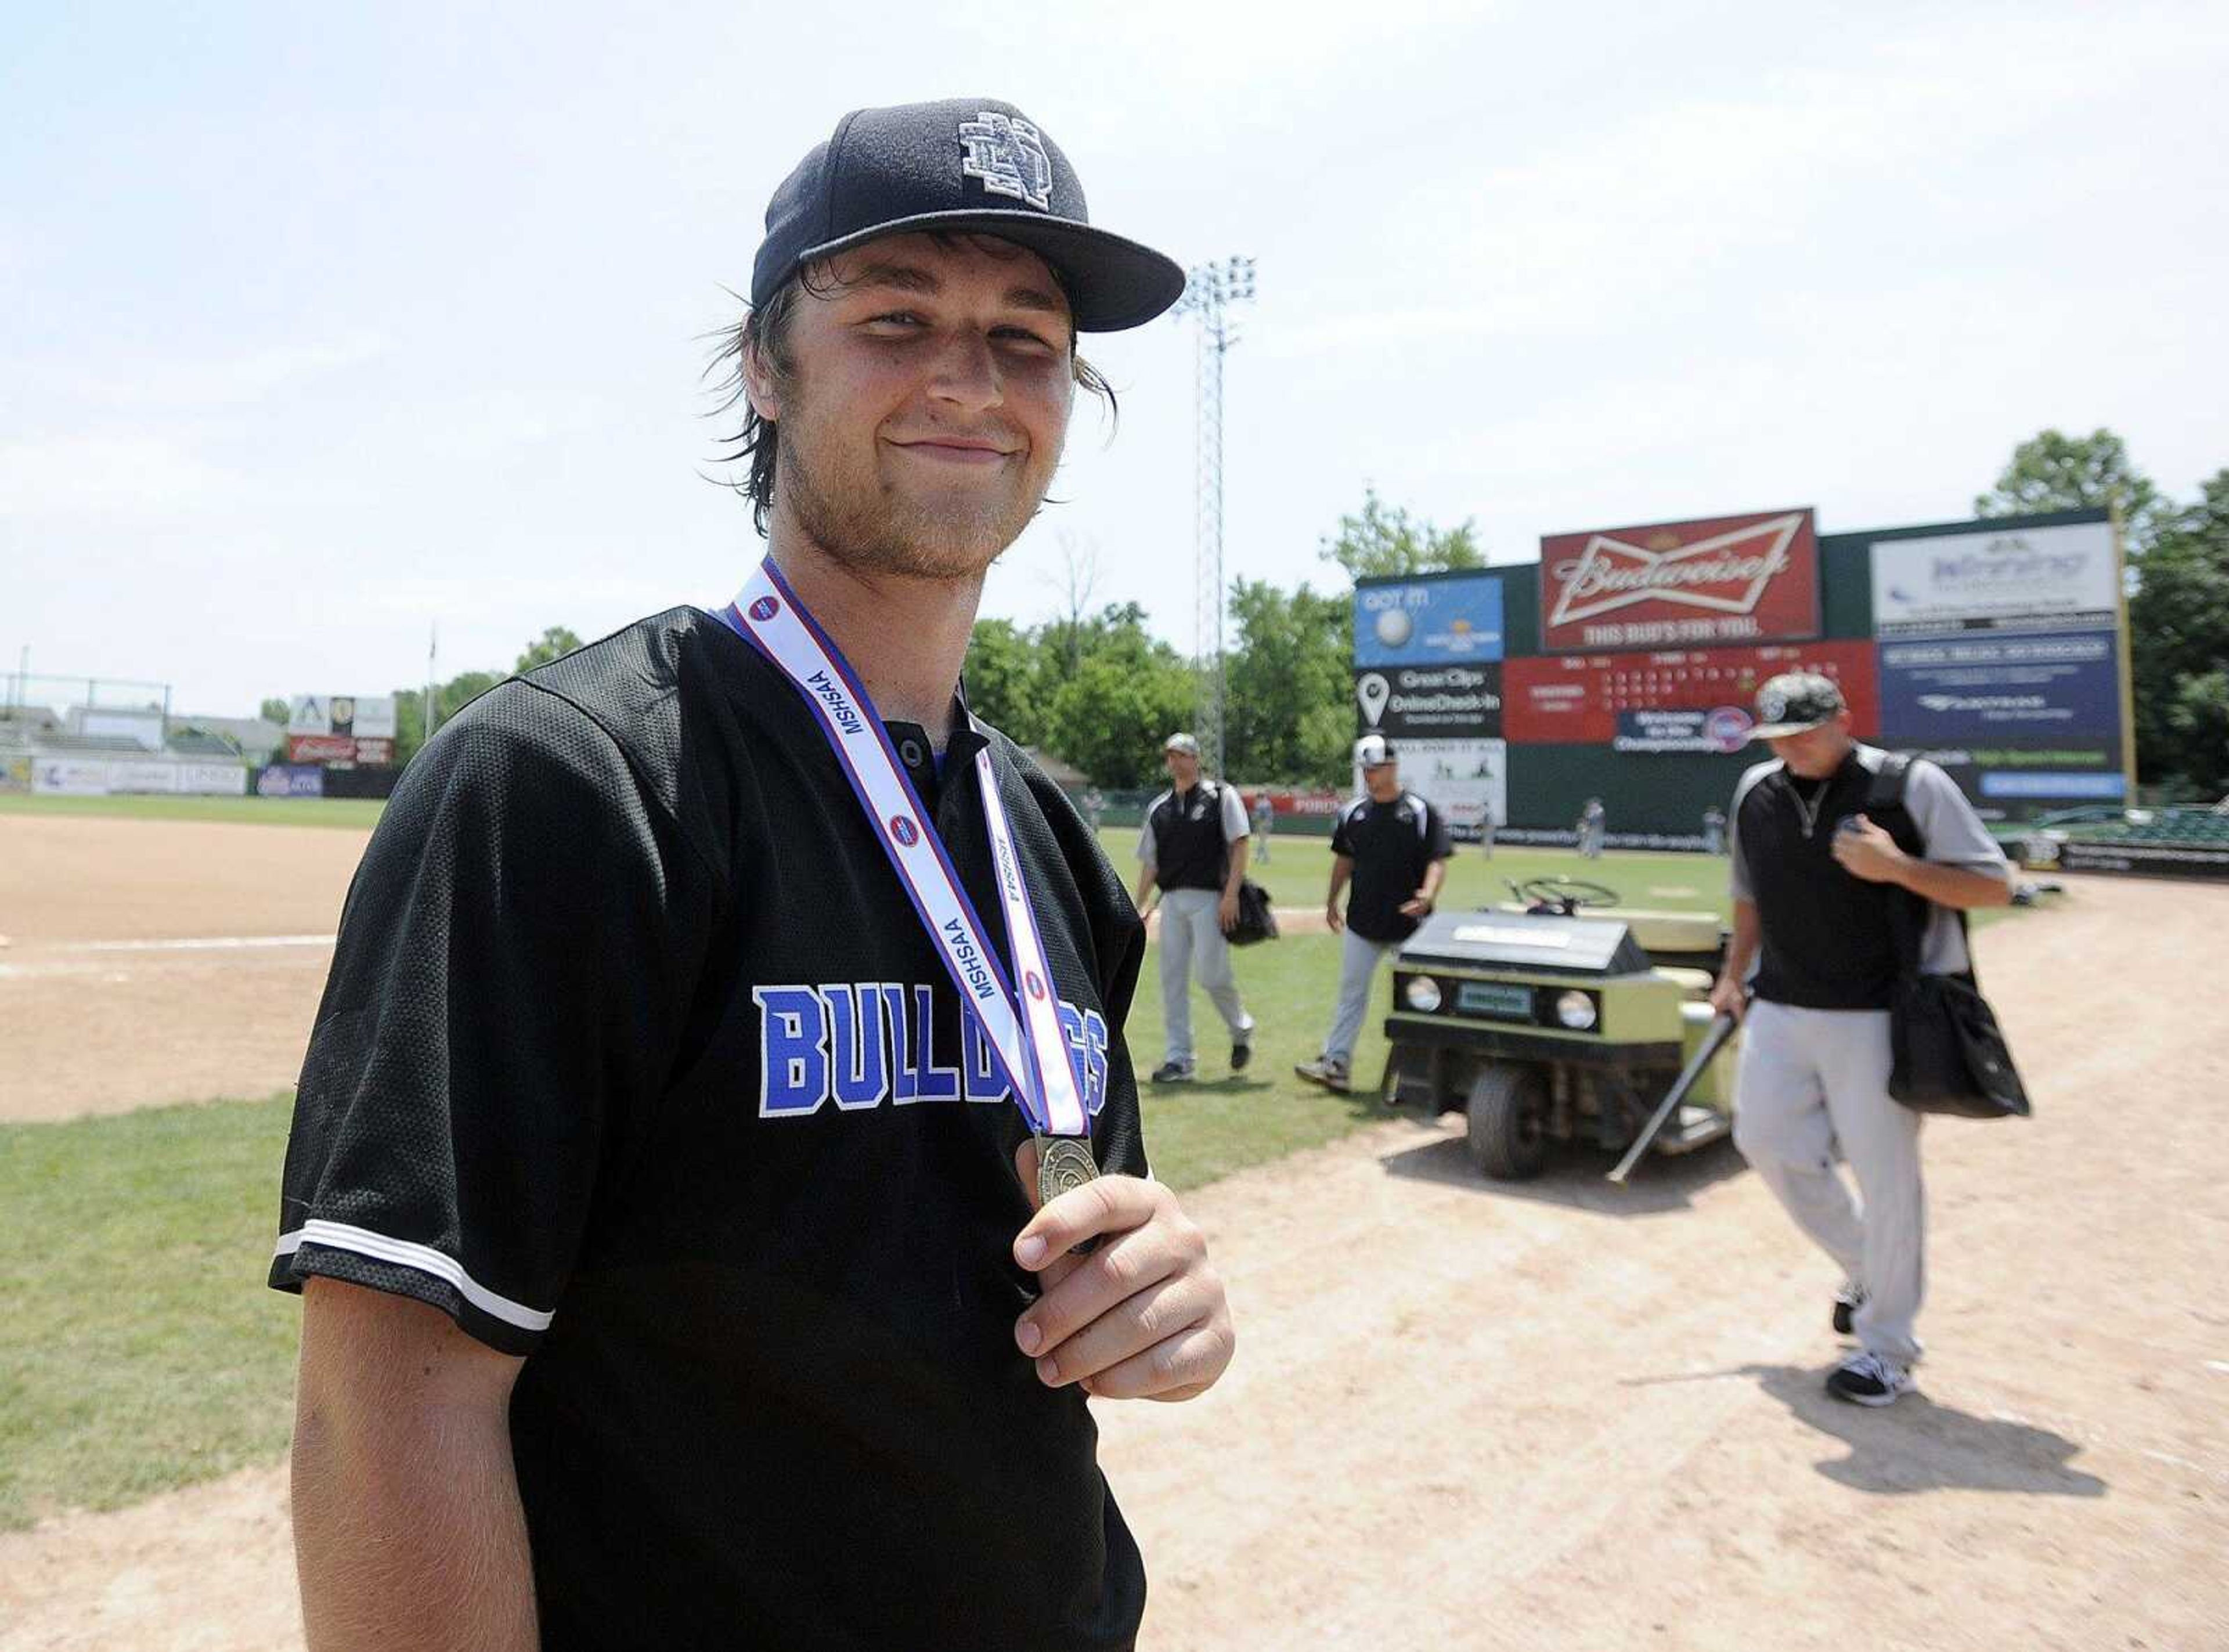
1817,752
1183,767
928,403
1383,782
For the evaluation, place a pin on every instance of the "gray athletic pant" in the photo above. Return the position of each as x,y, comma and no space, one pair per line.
1811,1081
1358,966
1190,927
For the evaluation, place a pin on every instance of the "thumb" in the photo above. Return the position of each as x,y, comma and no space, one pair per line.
1025,1167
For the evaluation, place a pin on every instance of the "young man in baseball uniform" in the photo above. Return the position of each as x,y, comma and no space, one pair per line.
722,1062
1815,878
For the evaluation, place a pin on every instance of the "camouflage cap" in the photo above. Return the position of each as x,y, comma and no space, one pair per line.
1793,702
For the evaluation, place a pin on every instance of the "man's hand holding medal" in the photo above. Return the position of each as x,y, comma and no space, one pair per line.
1142,1316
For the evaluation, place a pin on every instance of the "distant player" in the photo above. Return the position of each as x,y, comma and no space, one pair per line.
1592,828
1393,847
1191,858
668,1279
1265,821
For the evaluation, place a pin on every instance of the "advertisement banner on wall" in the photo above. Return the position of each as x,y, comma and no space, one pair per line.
320,748
2002,685
370,716
291,780
1740,579
2029,579
1449,701
1579,699
115,777
1449,620
2015,782
1722,729
2141,859
1467,781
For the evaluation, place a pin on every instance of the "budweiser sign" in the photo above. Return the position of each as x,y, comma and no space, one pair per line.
1730,579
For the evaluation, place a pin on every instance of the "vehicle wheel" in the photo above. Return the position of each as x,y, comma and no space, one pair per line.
1509,1123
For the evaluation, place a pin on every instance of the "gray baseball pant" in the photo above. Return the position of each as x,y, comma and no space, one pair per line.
1357,967
1191,927
1811,1081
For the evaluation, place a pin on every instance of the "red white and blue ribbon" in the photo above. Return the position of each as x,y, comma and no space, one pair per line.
1022,1028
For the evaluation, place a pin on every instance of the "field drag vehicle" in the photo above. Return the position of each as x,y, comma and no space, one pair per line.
1561,1018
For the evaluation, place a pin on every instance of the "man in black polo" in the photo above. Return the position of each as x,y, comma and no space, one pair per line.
1394,846
1819,866
1192,852
667,1276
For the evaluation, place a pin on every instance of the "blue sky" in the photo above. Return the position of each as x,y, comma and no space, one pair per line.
324,325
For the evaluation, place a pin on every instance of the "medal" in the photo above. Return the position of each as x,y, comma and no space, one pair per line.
1064,1164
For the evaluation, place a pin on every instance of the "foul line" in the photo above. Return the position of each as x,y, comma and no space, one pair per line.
202,943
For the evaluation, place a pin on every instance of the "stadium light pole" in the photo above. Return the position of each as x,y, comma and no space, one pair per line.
1209,291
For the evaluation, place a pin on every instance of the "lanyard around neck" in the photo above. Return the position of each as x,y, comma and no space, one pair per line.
1023,1029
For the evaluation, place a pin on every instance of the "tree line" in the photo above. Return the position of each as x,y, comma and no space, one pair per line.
1096,688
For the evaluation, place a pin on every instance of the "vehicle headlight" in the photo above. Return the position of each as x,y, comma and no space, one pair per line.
1422,993
1576,1010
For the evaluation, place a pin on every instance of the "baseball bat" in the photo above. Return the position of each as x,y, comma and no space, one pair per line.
1713,1041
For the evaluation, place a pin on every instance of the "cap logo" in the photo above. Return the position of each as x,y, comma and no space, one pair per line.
1772,705
1009,156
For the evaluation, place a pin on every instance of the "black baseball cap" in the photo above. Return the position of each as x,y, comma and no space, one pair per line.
959,164
1793,702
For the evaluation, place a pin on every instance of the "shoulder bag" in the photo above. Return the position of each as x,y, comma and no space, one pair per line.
1949,1053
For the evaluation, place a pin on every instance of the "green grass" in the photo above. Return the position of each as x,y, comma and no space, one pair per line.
356,813
138,1350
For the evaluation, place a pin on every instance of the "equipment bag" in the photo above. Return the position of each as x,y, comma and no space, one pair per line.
1257,920
1949,1053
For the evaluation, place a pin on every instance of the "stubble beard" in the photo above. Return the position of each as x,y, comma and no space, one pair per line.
874,528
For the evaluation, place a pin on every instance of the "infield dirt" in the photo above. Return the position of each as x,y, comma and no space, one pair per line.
1565,1415
160,960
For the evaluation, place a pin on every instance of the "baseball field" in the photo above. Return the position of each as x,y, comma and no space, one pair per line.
1554,1414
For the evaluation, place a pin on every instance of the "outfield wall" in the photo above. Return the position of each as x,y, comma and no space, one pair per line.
1625,664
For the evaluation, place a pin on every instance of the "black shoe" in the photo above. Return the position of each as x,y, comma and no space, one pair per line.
1870,1379
1172,1072
1240,1055
1848,1301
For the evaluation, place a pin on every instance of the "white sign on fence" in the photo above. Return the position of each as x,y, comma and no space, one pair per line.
2028,579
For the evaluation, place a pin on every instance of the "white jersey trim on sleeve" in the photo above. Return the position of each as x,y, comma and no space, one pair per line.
339,1236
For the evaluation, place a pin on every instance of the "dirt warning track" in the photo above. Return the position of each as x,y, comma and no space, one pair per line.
1568,1416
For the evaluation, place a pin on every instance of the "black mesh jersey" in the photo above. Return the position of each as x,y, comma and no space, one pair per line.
1392,845
636,1061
